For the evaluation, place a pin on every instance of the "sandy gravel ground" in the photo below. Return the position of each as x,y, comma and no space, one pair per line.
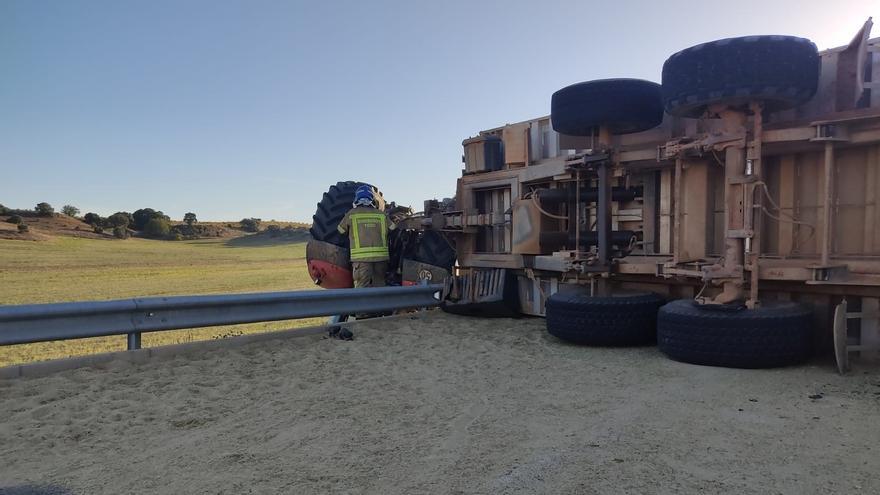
440,405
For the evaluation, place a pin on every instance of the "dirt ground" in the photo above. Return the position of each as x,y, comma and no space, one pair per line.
441,404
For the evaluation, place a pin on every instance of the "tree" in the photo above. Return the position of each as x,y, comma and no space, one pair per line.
250,224
141,217
22,228
190,218
44,210
128,217
157,228
14,219
144,215
120,232
70,210
4,210
119,219
93,219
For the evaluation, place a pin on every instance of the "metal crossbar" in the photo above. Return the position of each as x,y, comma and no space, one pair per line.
74,320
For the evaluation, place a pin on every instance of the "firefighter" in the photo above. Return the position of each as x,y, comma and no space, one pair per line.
367,228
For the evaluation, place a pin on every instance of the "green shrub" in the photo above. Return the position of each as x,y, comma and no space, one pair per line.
142,217
190,218
70,210
14,219
157,228
120,232
98,229
250,224
117,220
22,228
129,218
93,219
273,230
4,210
44,210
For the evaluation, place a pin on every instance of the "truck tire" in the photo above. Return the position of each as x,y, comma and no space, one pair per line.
434,249
621,320
781,71
333,206
624,105
770,336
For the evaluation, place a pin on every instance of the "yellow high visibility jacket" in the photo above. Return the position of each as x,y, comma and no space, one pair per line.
367,229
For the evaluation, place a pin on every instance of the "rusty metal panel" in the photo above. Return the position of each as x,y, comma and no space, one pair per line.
666,195
769,226
474,155
516,144
786,202
695,211
716,204
526,220
809,184
848,236
872,213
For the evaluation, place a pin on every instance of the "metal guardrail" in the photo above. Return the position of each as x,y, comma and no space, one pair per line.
74,320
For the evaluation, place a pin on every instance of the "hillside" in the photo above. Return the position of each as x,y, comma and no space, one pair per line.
44,228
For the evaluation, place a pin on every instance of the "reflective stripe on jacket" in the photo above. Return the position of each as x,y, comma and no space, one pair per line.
367,230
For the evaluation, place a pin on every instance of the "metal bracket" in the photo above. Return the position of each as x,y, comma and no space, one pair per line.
696,147
717,273
831,132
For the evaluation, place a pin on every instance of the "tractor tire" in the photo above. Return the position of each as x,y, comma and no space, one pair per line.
434,249
780,71
770,336
624,105
621,320
333,206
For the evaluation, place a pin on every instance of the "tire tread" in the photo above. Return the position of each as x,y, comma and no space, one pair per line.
603,321
771,336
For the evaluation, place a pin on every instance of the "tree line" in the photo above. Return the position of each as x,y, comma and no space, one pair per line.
148,222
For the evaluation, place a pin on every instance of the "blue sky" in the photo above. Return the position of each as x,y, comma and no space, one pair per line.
239,109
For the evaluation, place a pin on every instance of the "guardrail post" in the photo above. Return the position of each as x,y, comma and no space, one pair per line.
134,341
423,309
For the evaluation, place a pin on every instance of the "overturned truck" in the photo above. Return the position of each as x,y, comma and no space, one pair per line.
728,212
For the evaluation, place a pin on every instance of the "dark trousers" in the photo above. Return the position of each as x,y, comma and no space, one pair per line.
369,273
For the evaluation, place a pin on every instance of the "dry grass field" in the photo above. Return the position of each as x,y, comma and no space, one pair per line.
76,269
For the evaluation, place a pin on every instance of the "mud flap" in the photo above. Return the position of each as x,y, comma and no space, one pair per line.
415,273
491,292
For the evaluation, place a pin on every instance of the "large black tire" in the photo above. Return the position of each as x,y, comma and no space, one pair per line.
773,335
624,105
434,249
623,320
781,71
333,206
